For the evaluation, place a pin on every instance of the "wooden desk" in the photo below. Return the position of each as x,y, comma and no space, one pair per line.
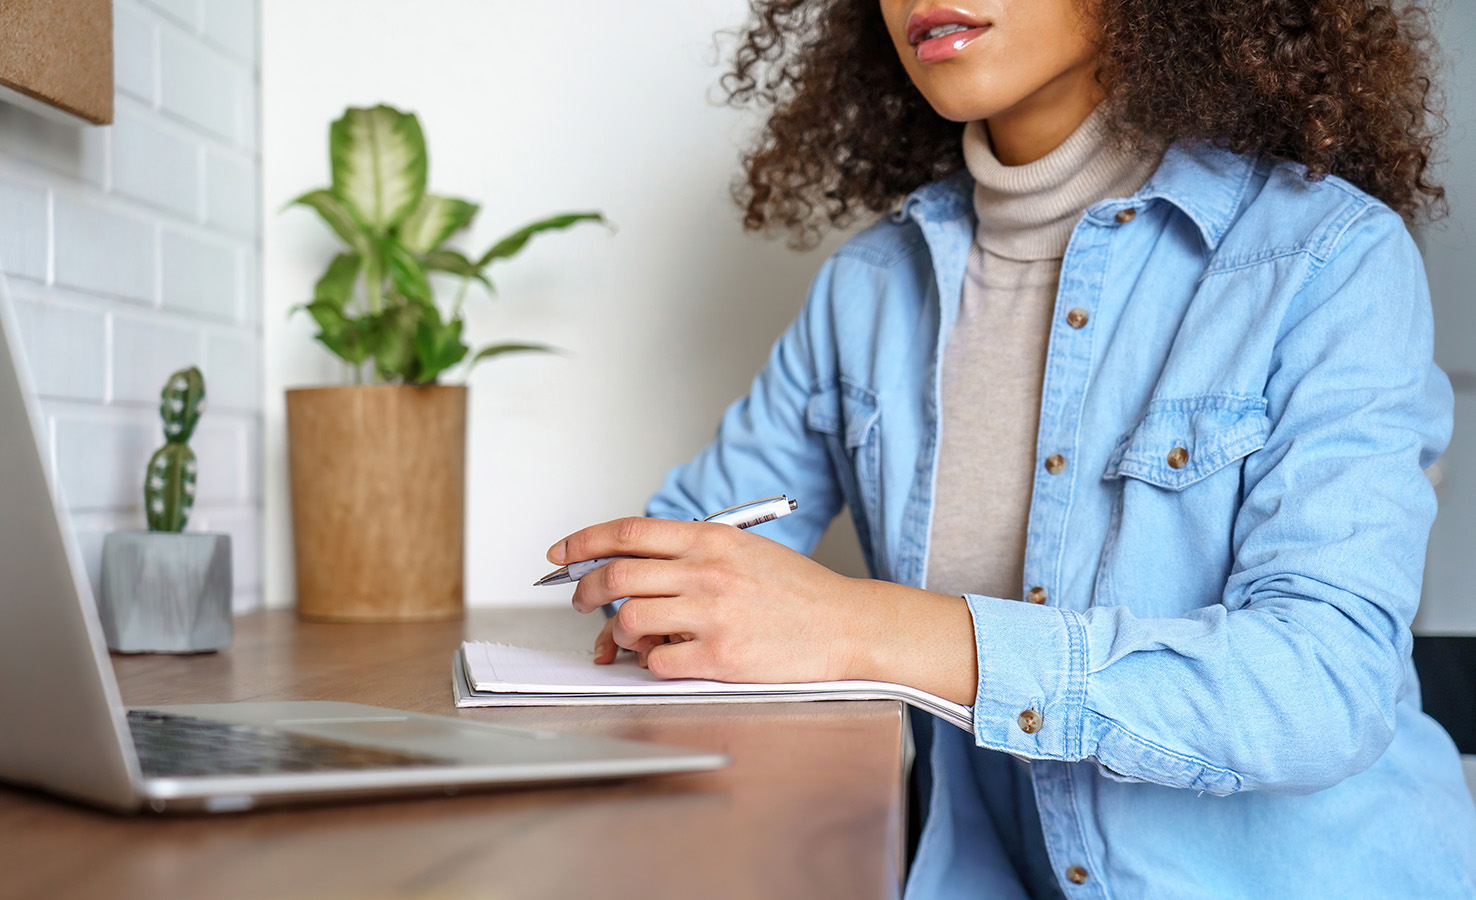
812,806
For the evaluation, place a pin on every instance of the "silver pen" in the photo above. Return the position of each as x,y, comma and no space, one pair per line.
745,515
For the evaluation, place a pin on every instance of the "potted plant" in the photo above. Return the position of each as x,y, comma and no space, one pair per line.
377,470
166,590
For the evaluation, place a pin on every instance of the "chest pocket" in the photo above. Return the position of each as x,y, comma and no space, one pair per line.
1181,442
843,409
1169,543
848,415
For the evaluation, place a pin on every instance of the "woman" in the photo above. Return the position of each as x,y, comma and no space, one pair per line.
1131,409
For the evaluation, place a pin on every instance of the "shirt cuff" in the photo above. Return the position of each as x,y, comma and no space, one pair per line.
1032,678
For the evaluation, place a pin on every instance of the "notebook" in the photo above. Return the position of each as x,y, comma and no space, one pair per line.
488,674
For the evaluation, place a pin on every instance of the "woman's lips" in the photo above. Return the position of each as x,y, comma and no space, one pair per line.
941,33
948,44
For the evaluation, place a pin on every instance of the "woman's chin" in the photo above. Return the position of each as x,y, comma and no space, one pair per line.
964,94
962,107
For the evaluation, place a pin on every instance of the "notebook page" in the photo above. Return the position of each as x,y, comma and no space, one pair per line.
488,674
506,669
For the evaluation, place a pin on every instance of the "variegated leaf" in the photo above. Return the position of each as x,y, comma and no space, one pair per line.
379,164
339,217
432,221
406,273
454,262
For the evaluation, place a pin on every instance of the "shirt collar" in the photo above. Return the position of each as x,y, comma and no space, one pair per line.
939,201
1206,183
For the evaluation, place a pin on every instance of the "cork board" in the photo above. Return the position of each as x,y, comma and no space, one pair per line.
58,55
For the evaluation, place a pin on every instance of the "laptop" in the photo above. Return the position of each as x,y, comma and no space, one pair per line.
65,729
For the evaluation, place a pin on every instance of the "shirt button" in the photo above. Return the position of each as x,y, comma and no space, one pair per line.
1178,458
1125,216
1029,721
1055,463
1077,317
1036,595
1076,875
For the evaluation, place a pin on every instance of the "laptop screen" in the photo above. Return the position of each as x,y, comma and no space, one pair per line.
62,725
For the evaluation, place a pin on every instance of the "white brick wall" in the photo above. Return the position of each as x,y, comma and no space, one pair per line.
130,251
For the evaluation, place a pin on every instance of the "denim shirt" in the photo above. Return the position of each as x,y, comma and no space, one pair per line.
1210,694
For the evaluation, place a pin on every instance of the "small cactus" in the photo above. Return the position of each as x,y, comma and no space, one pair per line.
169,483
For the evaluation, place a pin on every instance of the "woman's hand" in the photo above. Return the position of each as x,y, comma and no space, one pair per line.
712,601
744,607
606,649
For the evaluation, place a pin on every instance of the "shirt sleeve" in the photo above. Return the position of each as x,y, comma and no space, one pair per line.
1289,680
762,447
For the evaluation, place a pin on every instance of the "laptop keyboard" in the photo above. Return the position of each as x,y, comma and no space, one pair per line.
170,745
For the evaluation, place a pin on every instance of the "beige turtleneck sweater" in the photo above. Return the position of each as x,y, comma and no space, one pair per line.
994,363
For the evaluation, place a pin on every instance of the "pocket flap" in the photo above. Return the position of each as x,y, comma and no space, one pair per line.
844,409
1179,442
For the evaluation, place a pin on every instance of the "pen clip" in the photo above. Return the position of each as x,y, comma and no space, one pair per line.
741,506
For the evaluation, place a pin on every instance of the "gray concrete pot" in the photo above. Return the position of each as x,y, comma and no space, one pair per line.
166,593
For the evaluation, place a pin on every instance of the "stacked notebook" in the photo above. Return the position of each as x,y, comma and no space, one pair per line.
487,674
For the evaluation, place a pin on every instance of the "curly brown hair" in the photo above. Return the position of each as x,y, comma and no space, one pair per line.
1340,86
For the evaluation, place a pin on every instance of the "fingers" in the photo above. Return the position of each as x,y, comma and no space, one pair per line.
642,645
644,652
628,578
606,649
682,659
631,536
641,621
605,646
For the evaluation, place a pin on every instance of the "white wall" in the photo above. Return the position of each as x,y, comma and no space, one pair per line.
131,250
529,113
1449,604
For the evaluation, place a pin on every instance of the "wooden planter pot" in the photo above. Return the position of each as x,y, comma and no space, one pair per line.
378,477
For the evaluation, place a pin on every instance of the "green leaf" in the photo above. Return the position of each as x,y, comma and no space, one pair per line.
406,273
337,284
391,335
438,345
379,164
499,349
344,336
456,263
434,220
344,222
327,314
513,243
